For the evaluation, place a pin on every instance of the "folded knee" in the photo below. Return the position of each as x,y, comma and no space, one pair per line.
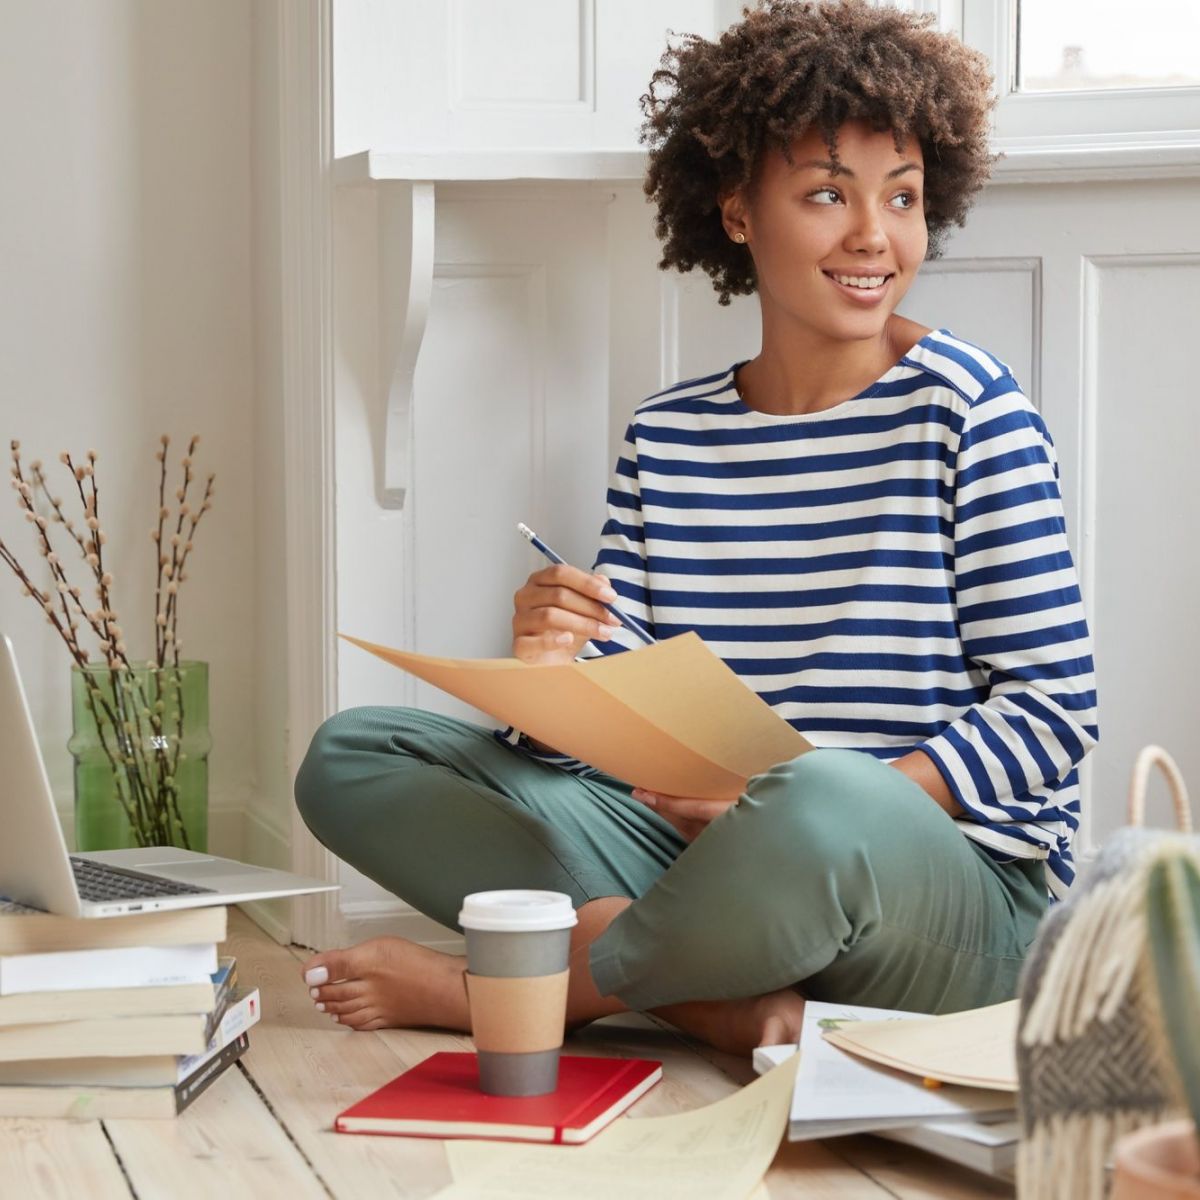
825,800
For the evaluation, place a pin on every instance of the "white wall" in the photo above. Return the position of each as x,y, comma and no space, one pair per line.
126,310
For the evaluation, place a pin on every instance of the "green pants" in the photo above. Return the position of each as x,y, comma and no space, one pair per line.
833,872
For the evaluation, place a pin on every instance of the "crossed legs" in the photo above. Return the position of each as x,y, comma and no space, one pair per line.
834,870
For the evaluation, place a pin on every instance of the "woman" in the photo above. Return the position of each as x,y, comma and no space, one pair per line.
864,521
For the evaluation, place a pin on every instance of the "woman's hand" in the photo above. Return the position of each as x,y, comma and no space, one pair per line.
557,611
690,817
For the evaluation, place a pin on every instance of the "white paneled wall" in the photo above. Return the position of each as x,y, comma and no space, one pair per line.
509,406
509,423
1141,436
510,401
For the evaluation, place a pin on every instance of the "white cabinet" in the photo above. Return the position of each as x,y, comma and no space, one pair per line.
501,74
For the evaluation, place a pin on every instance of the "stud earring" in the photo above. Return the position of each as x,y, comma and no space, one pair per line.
739,238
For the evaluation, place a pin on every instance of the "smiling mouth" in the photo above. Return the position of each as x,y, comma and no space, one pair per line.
867,284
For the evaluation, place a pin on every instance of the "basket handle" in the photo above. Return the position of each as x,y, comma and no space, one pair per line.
1156,756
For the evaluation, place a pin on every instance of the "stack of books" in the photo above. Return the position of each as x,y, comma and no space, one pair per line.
130,1016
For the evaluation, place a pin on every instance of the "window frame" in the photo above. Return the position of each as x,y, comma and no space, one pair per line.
1086,123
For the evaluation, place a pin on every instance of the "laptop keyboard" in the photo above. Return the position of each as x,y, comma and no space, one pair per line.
99,882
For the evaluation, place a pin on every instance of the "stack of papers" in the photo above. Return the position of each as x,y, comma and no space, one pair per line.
990,1148
839,1093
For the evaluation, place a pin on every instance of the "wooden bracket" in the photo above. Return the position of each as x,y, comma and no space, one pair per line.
406,231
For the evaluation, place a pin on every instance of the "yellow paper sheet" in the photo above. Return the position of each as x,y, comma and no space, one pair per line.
976,1048
671,717
720,1152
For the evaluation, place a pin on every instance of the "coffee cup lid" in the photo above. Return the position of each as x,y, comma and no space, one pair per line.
517,911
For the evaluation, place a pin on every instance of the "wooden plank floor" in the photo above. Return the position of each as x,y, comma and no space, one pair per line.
263,1129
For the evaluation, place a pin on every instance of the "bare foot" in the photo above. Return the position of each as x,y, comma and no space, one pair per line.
389,983
737,1026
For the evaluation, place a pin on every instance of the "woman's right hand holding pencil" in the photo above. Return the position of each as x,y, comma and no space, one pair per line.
558,610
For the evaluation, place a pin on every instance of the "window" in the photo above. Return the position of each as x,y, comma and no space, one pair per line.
1106,45
1116,82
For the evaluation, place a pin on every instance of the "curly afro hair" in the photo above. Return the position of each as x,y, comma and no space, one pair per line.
713,108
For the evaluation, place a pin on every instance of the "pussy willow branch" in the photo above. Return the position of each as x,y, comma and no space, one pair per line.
55,503
25,494
156,536
181,547
166,618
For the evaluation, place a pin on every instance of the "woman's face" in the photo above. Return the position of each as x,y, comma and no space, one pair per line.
807,224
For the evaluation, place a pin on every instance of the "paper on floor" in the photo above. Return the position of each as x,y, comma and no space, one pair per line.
976,1048
720,1152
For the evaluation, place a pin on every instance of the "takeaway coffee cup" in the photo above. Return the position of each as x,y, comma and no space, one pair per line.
518,946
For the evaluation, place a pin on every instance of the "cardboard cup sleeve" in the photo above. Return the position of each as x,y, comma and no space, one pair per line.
517,1016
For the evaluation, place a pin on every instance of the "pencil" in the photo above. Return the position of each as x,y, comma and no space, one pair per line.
634,627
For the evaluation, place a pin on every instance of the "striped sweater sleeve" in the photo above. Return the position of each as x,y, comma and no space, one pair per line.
622,554
1022,626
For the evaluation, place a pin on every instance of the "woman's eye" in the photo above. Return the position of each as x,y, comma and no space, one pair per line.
910,199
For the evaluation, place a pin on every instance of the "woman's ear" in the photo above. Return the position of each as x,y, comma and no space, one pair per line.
735,216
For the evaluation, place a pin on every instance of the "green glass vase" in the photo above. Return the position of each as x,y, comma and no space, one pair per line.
140,742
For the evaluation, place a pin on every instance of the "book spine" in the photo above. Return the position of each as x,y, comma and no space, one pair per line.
30,931
129,966
240,1015
40,1008
237,1018
226,981
188,1089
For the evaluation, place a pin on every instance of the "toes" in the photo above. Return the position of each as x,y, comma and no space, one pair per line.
324,968
333,992
363,1018
334,966
342,1008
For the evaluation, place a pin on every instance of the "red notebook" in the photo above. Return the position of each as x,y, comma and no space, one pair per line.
440,1098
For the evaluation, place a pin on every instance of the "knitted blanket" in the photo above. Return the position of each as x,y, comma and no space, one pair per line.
1091,1059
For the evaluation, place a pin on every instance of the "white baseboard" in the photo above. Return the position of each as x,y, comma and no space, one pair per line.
371,918
267,845
266,915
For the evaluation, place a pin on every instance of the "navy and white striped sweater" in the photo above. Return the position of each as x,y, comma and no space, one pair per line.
888,574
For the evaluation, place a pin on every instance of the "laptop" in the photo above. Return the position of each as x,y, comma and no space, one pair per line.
36,870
